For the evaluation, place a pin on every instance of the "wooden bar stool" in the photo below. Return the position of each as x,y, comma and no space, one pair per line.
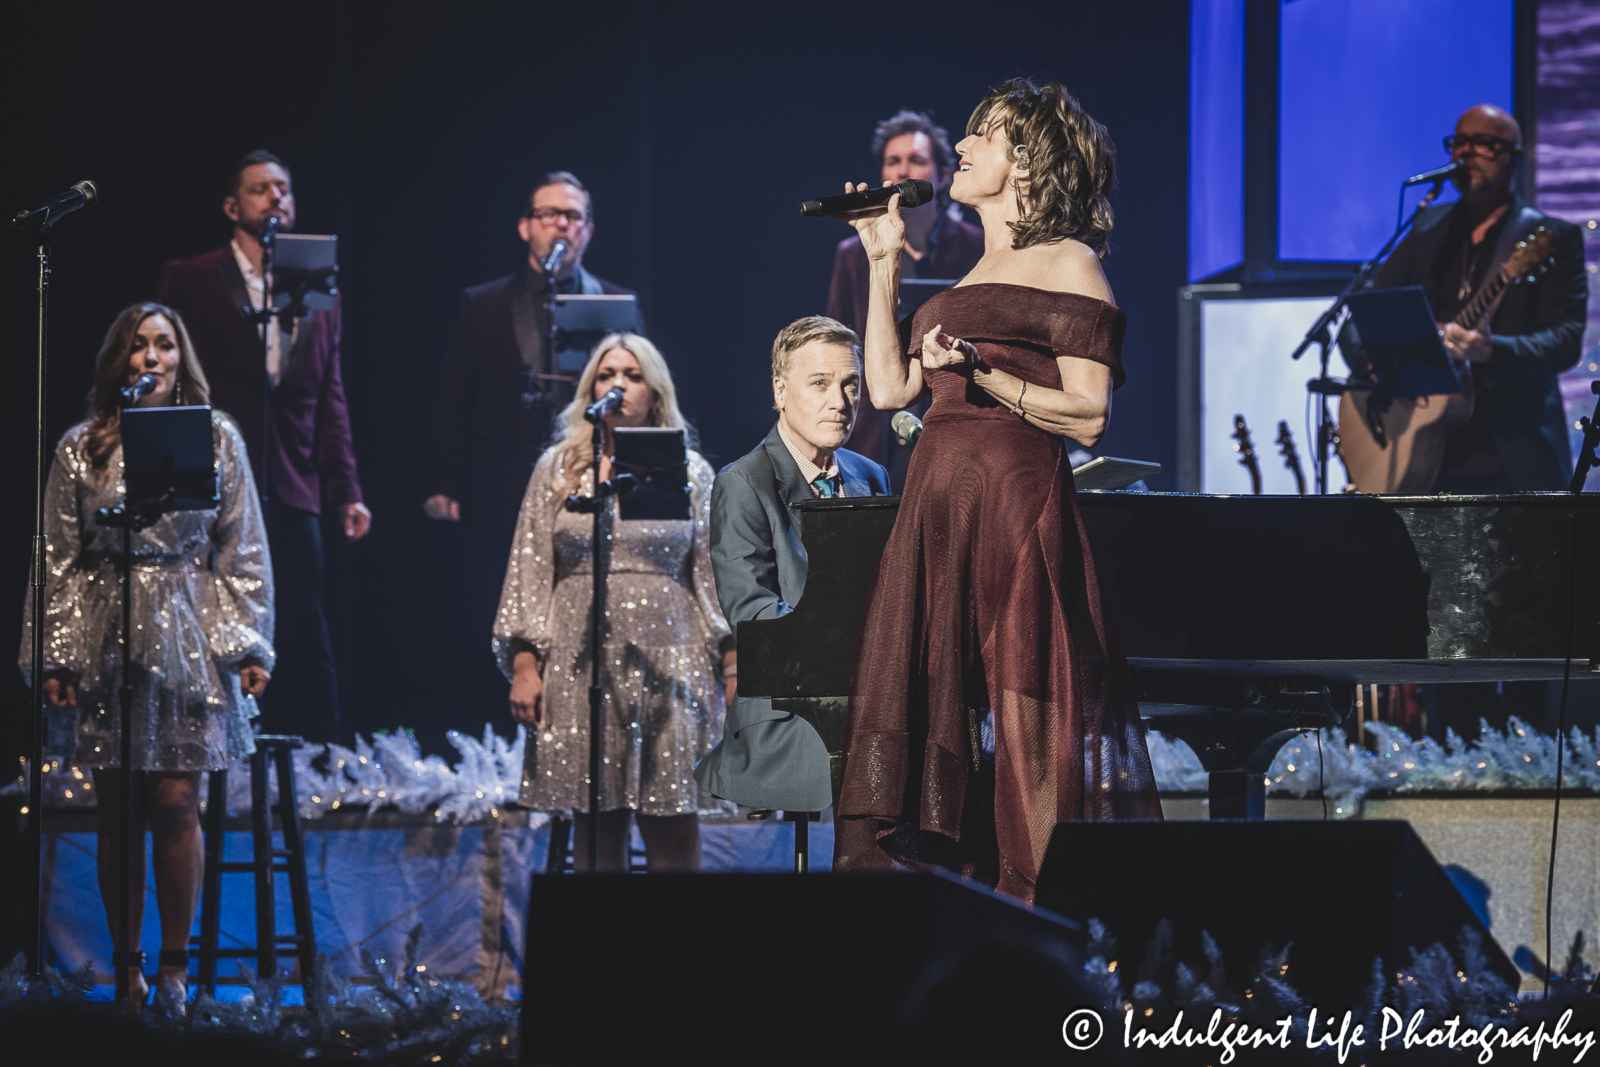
264,865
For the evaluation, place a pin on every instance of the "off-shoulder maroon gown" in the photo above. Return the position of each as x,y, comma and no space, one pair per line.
987,599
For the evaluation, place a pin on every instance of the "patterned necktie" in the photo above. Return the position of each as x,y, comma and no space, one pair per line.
826,486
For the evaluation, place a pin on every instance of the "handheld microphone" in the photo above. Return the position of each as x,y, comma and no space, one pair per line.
81,195
1437,174
604,406
913,193
141,386
906,426
552,262
269,229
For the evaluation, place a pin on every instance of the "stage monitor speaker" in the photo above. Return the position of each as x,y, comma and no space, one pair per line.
1345,893
754,968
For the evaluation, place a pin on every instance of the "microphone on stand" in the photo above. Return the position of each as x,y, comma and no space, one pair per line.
552,262
1437,174
906,426
914,192
604,406
141,386
81,195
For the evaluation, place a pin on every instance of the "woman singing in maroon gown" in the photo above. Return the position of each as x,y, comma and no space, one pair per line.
988,700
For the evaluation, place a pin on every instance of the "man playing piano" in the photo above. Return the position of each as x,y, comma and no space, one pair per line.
769,759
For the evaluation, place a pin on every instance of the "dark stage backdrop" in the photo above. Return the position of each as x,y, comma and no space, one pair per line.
413,133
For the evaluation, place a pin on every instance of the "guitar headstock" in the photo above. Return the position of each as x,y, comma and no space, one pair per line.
1285,441
1291,457
1241,434
1533,256
1247,453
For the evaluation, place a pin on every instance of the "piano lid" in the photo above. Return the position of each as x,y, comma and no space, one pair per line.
1356,588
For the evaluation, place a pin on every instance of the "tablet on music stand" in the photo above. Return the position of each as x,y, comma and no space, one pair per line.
658,458
169,459
914,292
309,261
582,319
1109,472
1401,338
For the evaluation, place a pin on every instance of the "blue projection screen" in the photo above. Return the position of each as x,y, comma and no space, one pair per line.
1216,136
1369,89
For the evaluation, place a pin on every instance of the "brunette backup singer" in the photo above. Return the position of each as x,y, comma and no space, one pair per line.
988,700
198,654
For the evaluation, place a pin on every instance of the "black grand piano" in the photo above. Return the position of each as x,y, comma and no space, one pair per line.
1249,619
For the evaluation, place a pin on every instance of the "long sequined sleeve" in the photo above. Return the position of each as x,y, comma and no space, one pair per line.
712,623
524,617
241,567
67,645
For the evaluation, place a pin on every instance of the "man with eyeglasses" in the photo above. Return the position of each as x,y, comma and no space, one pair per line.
1516,439
495,407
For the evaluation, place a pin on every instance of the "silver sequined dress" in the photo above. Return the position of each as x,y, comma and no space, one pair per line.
663,704
202,601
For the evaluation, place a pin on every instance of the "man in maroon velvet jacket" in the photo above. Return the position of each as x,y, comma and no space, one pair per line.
308,460
489,429
938,245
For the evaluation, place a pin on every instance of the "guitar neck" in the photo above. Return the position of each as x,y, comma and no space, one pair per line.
1468,316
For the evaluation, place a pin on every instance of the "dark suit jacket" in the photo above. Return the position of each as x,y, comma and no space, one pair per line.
309,460
769,759
1537,331
484,442
957,251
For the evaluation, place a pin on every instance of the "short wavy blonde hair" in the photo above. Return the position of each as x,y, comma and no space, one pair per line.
802,332
1070,163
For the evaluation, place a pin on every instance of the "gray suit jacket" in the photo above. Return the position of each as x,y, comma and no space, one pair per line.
768,758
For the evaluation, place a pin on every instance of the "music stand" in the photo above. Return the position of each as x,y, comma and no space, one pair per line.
914,292
578,322
308,273
169,464
657,457
1399,332
1111,473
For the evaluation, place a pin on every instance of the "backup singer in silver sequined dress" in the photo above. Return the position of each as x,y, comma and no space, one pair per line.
201,644
664,702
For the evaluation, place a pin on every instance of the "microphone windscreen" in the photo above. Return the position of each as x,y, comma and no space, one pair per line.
906,426
914,192
90,191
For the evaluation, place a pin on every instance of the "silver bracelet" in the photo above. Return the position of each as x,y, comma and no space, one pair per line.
1018,409
731,672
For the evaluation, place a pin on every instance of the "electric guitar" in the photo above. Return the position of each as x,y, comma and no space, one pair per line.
1247,453
1291,458
1395,445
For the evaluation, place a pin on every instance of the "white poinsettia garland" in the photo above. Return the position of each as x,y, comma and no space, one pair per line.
391,771
1519,759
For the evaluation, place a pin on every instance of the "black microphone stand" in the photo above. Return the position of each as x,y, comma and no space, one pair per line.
35,944
1587,457
127,518
1321,335
597,504
262,318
